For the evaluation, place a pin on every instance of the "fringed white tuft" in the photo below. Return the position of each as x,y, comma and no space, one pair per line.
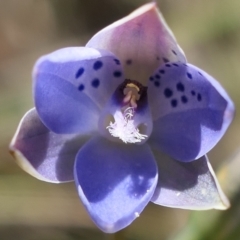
124,128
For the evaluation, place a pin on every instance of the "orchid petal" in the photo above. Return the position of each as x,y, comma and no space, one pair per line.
71,85
191,111
42,153
141,41
115,181
190,185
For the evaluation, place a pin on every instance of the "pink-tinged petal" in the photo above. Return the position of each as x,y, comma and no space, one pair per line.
42,153
191,111
190,185
115,181
142,41
71,85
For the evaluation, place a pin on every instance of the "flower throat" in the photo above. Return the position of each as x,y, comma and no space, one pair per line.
124,126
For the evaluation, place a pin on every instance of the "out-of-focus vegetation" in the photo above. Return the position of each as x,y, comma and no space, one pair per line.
209,33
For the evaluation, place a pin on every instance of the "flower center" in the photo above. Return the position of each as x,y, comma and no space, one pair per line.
131,92
125,125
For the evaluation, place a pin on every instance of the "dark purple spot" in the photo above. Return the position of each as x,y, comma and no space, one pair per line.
157,76
79,72
165,60
189,75
184,99
129,62
200,74
168,65
117,74
162,71
199,97
116,61
157,84
174,102
151,78
174,52
81,87
193,92
180,87
95,82
168,93
185,64
176,65
97,65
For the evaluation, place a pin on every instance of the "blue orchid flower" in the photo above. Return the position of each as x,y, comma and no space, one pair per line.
128,119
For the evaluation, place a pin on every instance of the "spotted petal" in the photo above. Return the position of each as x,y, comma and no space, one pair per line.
115,181
191,111
190,185
71,85
141,41
44,154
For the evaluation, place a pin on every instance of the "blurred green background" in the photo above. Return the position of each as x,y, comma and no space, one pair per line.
209,33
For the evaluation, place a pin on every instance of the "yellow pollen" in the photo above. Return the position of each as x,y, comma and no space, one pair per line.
131,92
132,85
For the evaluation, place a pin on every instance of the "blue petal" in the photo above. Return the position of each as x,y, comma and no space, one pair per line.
71,85
44,154
191,111
190,185
115,181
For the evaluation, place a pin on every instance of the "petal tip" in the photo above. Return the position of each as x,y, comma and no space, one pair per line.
143,9
225,203
223,206
146,8
19,157
25,165
230,112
